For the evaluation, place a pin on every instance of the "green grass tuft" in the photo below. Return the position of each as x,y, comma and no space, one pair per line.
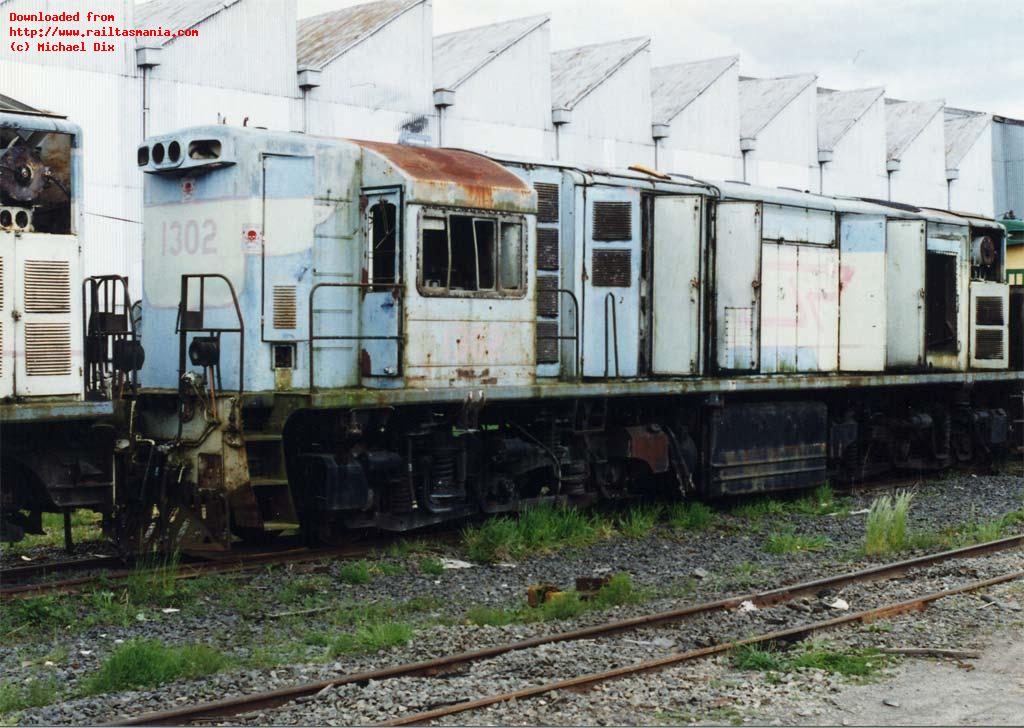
755,510
357,572
639,521
490,616
857,663
887,524
33,693
431,565
537,530
787,542
371,637
147,663
691,516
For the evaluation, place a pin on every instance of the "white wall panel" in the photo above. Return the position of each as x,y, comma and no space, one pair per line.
787,147
858,160
973,190
704,138
921,178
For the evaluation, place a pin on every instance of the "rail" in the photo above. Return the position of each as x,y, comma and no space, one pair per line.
610,298
194,322
313,337
575,338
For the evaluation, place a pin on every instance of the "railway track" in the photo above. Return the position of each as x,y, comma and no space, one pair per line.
25,572
263,701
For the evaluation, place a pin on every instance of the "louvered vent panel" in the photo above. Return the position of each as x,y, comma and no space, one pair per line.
47,286
547,347
988,311
988,344
547,295
613,221
547,202
284,307
611,268
47,349
547,249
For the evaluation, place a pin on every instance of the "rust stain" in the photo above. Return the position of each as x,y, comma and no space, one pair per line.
365,364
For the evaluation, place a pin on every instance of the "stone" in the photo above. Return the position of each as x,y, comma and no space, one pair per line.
891,703
699,574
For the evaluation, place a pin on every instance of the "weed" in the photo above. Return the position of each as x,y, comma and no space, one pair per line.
691,516
388,569
755,510
537,530
357,572
753,657
821,502
153,580
33,693
147,663
887,524
787,542
619,590
24,617
639,521
431,566
371,638
858,663
301,589
490,616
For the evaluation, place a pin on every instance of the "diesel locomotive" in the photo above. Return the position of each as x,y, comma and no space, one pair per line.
344,334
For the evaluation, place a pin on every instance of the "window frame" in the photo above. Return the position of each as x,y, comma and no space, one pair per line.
498,218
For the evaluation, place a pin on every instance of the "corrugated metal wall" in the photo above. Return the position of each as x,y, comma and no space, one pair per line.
1008,167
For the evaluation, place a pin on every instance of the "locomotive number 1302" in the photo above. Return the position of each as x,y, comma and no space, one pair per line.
188,237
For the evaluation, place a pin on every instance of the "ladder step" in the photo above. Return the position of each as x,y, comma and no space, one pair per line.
263,437
268,482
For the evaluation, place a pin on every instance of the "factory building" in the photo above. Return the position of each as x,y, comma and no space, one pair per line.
492,88
916,152
1008,166
695,118
779,130
969,161
851,143
601,104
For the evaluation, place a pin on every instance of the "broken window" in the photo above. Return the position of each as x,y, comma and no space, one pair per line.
464,253
940,302
383,243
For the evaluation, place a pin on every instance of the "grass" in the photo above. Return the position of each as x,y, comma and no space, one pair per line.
639,521
619,590
887,524
788,542
85,526
691,516
856,663
759,508
146,663
371,638
431,566
537,530
33,693
819,503
357,572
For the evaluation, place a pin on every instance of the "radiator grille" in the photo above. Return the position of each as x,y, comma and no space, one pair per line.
284,307
547,347
547,202
613,221
988,311
47,349
988,344
547,295
547,249
47,286
612,268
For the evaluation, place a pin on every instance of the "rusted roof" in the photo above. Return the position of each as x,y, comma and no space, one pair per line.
962,130
762,99
904,122
578,71
675,87
838,111
476,177
175,14
457,56
322,38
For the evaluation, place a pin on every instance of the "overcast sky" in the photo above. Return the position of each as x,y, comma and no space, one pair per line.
970,53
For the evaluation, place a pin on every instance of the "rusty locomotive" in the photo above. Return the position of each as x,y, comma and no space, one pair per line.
346,334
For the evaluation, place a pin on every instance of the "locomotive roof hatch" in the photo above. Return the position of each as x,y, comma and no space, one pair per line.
447,177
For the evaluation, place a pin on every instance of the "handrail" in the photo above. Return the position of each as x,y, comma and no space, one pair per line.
182,327
615,333
90,305
397,338
577,364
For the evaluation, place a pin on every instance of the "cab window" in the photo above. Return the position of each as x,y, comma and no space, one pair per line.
466,254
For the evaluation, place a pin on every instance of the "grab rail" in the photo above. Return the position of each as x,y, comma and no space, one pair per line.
397,338
193,322
577,365
102,324
615,333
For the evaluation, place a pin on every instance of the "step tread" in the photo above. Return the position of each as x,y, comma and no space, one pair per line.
263,437
267,482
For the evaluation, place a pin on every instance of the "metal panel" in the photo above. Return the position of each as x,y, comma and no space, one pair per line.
952,240
611,292
862,319
737,285
6,321
779,307
990,343
817,333
380,307
904,293
677,285
799,225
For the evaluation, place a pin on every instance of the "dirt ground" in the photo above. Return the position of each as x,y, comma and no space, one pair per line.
940,692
